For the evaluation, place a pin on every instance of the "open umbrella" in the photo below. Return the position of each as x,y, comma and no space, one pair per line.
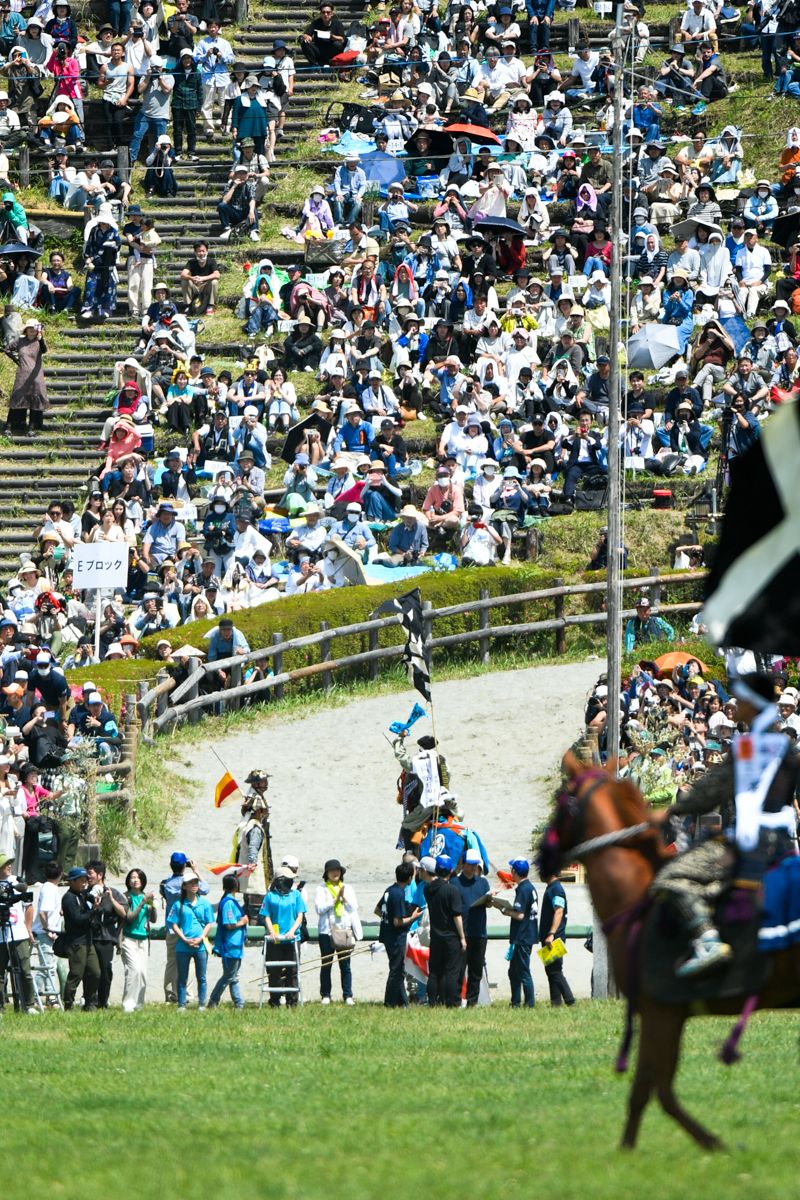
676,658
786,228
653,346
441,144
475,133
382,168
500,225
297,432
188,652
688,227
14,248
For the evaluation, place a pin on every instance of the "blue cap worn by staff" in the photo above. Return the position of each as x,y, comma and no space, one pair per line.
444,863
76,873
520,866
178,859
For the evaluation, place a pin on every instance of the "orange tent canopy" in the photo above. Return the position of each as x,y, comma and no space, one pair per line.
676,658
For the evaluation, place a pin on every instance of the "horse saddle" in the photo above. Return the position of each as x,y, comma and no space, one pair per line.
666,943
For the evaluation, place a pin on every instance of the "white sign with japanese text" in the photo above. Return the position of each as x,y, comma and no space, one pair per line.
100,564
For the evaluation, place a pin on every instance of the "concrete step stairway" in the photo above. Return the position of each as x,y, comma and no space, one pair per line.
59,462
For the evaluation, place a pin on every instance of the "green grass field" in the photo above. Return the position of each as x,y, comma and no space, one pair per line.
365,1103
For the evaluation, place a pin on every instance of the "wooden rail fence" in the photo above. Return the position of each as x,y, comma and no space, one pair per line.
168,701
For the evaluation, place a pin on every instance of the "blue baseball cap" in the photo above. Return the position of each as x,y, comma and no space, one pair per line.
444,863
76,873
279,44
520,866
178,859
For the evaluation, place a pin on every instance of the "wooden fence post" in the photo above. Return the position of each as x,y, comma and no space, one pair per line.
236,681
427,632
277,665
655,589
561,633
374,667
144,716
242,11
573,32
195,671
24,166
484,622
325,656
124,163
162,700
91,804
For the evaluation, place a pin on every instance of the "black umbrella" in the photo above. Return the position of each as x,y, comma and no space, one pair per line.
786,228
500,225
441,144
297,432
16,248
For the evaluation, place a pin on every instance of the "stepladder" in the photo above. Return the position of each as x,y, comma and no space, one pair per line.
280,973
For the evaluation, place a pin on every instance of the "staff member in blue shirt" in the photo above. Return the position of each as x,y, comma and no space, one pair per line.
552,925
190,919
232,924
473,887
522,934
283,910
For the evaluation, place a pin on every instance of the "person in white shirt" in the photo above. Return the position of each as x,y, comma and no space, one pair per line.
306,577
486,486
311,537
286,69
753,268
698,25
636,438
214,56
48,921
19,932
583,67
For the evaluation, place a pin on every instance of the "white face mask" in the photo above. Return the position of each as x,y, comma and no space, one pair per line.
44,670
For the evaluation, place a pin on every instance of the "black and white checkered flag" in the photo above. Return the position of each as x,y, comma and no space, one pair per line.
409,607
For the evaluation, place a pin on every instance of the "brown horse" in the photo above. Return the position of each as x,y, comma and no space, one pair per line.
619,876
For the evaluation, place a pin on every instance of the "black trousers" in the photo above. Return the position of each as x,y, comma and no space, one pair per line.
105,956
445,971
282,977
475,960
115,124
84,967
560,991
184,120
395,995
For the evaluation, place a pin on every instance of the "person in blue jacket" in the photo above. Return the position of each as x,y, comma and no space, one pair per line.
678,304
552,925
229,941
190,920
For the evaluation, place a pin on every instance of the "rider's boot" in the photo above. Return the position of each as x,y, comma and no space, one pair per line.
708,948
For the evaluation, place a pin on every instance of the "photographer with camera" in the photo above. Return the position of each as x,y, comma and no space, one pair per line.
16,934
77,909
110,910
214,56
219,532
155,89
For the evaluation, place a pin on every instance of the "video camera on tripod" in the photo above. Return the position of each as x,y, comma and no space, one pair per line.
11,894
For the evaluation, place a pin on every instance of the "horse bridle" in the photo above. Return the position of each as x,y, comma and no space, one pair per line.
573,803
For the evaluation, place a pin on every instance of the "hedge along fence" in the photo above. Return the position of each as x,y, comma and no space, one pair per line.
316,657
298,616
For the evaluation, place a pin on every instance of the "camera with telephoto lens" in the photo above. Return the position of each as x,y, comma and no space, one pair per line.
11,894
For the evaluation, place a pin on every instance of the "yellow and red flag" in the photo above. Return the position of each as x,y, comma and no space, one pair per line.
226,789
229,869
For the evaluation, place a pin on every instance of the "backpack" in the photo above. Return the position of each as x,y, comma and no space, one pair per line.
592,493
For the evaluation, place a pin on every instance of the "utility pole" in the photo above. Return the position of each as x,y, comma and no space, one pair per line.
602,978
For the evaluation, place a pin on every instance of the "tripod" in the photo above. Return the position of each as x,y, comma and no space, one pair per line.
14,968
721,481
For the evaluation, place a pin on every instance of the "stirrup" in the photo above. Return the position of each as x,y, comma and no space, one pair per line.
709,952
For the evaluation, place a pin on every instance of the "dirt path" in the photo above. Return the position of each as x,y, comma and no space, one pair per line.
332,793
